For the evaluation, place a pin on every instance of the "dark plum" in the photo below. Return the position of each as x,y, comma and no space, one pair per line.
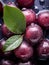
1,54
8,54
43,48
2,42
0,46
24,52
43,19
26,63
30,15
25,3
33,33
6,31
1,9
6,62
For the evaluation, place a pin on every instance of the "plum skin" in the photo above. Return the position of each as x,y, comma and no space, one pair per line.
6,31
33,33
6,62
43,19
25,3
43,48
24,52
5,54
2,42
1,9
30,16
25,63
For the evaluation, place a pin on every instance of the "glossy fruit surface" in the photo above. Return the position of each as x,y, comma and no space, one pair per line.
6,62
6,31
43,48
24,52
1,9
43,19
8,54
0,46
2,42
30,16
33,33
25,3
26,63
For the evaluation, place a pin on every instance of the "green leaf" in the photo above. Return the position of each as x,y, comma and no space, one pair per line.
14,19
12,43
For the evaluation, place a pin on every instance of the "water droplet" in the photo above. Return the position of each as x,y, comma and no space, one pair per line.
0,25
47,7
23,9
36,9
42,2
